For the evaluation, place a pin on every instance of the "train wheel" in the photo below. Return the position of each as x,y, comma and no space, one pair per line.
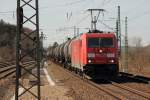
70,68
76,70
80,73
64,65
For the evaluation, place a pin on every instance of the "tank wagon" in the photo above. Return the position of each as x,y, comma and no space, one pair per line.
90,53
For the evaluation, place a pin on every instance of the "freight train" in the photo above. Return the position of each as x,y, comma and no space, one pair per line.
90,53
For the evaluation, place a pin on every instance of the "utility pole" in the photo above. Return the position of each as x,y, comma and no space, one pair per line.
78,31
42,37
94,19
74,31
22,53
119,30
126,45
41,47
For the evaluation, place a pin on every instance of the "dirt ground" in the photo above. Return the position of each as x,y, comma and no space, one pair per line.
6,89
66,87
78,90
138,71
48,92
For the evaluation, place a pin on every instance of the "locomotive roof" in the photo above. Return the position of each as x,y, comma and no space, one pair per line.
104,34
100,34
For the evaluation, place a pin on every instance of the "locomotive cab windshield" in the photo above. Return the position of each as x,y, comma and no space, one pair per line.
100,42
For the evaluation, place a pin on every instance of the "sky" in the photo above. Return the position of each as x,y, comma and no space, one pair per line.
58,17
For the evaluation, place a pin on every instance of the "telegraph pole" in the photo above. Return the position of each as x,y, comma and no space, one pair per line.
22,53
94,19
75,31
119,29
78,31
42,37
41,40
126,45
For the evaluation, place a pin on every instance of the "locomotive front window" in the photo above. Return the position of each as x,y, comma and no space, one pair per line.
100,42
93,42
106,42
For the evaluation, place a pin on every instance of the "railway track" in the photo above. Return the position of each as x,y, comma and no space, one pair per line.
6,64
7,70
135,91
136,77
114,89
119,90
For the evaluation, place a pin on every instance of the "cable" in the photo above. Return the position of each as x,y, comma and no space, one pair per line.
107,26
108,1
74,2
141,15
6,12
13,11
134,7
83,19
104,2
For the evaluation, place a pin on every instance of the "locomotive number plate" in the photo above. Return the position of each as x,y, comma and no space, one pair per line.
100,55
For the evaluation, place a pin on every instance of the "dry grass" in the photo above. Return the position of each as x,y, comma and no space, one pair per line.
7,53
138,60
6,89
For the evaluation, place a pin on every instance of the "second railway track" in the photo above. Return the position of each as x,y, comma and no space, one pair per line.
7,70
135,91
116,90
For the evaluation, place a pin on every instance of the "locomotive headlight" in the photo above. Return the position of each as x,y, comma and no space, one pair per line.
89,61
100,51
110,55
112,61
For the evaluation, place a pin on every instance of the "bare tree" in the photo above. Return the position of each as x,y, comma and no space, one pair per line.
135,53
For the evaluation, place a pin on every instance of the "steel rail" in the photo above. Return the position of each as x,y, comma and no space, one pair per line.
135,91
100,88
115,95
9,70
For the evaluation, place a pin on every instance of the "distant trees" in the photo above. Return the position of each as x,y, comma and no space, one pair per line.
7,34
137,43
139,56
8,40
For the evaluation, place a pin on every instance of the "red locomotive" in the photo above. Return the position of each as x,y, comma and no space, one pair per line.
94,53
90,53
